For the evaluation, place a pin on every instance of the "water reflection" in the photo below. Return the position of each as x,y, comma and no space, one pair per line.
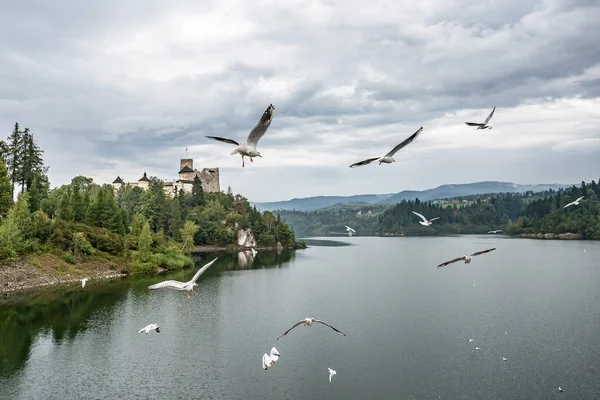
326,242
62,312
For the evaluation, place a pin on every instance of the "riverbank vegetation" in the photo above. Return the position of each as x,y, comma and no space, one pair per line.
514,213
144,229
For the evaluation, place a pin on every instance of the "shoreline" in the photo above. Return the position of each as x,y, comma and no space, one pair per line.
45,270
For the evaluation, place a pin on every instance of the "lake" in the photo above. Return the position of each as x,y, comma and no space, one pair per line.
535,302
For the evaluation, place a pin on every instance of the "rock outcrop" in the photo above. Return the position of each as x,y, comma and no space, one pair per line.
246,238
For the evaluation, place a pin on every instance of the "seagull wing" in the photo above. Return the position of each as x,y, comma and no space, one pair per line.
261,127
570,204
433,219
201,271
451,261
168,285
364,162
482,252
406,142
326,324
420,215
295,325
580,198
224,140
474,123
142,330
266,361
490,116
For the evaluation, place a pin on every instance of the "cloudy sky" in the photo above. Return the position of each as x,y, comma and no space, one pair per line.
114,87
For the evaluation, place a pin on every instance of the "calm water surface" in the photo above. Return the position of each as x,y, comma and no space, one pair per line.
407,322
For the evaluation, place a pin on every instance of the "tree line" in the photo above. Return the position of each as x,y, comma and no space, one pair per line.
83,219
515,213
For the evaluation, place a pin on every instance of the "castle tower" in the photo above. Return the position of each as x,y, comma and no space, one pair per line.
117,183
144,182
186,162
186,169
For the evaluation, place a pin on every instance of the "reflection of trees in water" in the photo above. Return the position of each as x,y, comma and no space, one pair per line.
63,311
245,260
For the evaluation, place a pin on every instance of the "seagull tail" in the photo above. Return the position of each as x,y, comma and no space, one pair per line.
233,152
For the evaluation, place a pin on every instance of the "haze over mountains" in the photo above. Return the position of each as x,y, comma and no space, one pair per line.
440,192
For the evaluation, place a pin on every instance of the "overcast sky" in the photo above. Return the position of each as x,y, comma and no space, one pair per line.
121,87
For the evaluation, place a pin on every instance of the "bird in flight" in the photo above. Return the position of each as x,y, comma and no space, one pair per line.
268,360
496,231
425,222
349,230
254,252
466,258
83,281
331,373
483,125
151,327
248,148
187,286
309,322
574,203
388,158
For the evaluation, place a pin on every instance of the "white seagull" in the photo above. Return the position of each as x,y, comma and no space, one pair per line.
151,327
254,252
483,125
331,373
248,148
496,231
349,230
268,360
388,158
309,322
504,359
187,286
465,257
83,281
470,340
559,389
477,348
574,203
425,222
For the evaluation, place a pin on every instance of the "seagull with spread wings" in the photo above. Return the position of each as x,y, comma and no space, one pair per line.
187,286
495,231
248,148
309,322
574,203
425,222
268,360
389,157
151,327
466,258
349,230
483,125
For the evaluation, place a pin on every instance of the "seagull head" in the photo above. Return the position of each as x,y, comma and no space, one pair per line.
158,329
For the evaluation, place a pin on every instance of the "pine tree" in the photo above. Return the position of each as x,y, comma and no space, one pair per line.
15,141
197,193
32,163
65,209
145,242
3,152
79,207
6,200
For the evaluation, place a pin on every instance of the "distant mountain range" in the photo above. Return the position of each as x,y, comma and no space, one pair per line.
440,192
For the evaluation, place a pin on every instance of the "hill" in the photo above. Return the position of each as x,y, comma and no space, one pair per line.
440,192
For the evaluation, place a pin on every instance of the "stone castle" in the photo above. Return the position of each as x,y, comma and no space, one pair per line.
209,177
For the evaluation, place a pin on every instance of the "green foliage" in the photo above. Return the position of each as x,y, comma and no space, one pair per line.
81,245
6,200
144,243
187,235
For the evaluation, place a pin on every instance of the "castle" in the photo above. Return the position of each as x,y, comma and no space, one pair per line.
209,177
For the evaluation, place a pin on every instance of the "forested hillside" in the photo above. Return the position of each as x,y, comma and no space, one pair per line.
515,213
84,220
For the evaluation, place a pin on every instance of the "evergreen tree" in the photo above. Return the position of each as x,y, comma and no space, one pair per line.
32,163
6,200
3,152
145,242
15,141
78,204
65,209
197,193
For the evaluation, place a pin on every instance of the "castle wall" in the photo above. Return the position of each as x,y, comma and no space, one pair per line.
210,180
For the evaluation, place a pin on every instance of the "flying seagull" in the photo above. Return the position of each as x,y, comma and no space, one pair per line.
470,340
268,360
309,322
477,348
349,230
331,373
425,222
466,257
496,231
83,281
248,148
574,203
187,286
151,327
483,125
504,359
388,158
254,252
560,389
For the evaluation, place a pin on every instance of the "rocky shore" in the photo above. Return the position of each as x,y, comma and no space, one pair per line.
573,236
